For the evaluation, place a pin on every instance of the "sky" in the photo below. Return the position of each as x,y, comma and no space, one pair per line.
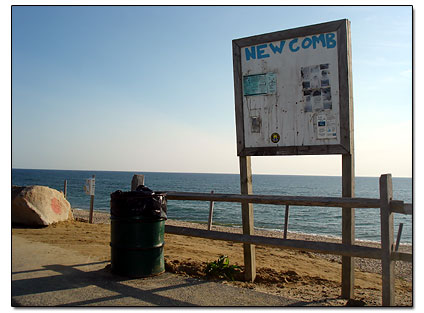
149,88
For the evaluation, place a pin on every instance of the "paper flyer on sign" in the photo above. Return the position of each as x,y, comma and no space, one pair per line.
316,87
259,84
326,126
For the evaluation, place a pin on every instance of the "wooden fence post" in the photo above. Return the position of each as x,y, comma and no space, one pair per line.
210,214
387,264
137,180
399,234
247,218
90,217
65,188
286,221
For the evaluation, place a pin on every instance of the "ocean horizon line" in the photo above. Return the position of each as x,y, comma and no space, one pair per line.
207,173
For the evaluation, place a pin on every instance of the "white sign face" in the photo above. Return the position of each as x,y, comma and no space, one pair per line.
90,186
291,92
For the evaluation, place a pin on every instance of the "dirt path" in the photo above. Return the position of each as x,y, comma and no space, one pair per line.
54,276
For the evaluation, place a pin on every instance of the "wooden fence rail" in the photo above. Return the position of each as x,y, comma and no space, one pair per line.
386,205
396,206
304,245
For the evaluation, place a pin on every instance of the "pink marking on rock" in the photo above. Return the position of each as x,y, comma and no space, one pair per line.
55,205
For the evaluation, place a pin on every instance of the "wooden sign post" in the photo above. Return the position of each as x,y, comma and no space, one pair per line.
247,217
348,225
293,96
89,188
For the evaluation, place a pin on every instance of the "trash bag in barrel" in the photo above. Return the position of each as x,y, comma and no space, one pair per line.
142,203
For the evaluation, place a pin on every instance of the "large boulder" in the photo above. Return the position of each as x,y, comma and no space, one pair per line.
39,206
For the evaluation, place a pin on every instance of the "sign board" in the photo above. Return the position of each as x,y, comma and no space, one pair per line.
293,92
90,185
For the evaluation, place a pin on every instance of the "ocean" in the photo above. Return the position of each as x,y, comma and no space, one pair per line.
308,220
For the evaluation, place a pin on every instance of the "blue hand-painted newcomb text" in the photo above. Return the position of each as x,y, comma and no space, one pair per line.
265,50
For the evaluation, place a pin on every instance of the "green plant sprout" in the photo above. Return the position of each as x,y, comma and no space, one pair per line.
222,268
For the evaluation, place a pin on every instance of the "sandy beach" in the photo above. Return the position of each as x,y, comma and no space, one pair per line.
306,277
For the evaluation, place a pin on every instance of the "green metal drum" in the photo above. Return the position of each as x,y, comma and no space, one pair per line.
137,247
137,234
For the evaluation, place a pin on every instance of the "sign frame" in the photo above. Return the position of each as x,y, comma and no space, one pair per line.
342,29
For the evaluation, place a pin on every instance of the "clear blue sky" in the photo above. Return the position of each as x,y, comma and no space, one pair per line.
151,88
